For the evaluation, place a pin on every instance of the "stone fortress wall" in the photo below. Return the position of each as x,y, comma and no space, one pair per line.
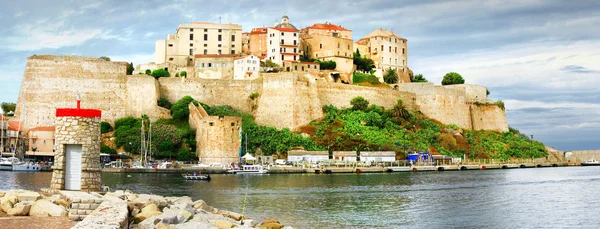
286,100
50,82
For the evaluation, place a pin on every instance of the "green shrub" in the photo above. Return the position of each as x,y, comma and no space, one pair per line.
183,74
185,154
148,72
358,77
160,73
107,150
128,122
130,68
105,127
163,102
359,103
419,78
452,78
254,95
180,110
327,65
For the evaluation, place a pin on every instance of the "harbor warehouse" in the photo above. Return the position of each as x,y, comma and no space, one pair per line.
378,156
310,156
344,155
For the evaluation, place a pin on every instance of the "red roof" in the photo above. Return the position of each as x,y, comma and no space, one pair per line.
78,112
214,55
43,128
328,26
285,29
258,31
14,126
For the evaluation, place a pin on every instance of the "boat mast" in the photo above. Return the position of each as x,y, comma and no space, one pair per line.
150,142
18,130
142,142
2,135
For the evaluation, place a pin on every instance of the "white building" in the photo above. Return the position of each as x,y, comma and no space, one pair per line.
344,155
198,38
378,156
283,42
246,67
308,156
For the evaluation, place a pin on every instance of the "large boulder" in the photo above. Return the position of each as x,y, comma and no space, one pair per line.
270,224
19,210
28,196
149,223
180,200
222,224
172,217
146,199
200,204
147,212
8,201
195,225
44,208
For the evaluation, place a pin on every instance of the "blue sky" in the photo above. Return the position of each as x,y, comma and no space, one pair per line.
541,57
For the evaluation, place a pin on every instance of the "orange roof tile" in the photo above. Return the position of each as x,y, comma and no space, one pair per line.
14,126
258,31
328,26
43,128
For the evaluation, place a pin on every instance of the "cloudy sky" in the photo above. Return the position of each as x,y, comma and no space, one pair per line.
541,57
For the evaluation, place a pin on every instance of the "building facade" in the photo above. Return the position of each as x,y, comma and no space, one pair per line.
199,38
329,42
283,42
311,68
387,50
246,67
212,66
41,141
218,137
245,43
258,42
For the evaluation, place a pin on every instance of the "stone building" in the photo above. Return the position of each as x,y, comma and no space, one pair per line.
311,68
213,66
199,38
258,42
387,50
77,150
329,42
245,43
41,141
283,42
246,67
218,137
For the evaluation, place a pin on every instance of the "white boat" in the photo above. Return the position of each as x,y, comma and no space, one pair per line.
249,169
15,164
591,162
6,163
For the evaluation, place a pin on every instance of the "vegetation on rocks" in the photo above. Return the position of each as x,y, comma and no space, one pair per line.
419,78
7,108
452,78
390,76
362,63
158,73
130,68
105,127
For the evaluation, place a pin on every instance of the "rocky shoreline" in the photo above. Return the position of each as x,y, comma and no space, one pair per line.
124,209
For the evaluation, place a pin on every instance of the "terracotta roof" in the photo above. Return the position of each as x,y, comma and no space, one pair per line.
285,29
242,57
14,126
43,128
214,55
328,26
258,31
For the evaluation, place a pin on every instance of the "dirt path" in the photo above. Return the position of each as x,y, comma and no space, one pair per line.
26,222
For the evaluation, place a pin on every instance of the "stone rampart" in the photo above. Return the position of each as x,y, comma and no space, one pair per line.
488,117
340,95
50,82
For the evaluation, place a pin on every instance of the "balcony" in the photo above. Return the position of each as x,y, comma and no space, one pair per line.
288,45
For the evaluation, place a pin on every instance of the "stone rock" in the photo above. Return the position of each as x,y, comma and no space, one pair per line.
270,226
28,196
195,225
200,204
62,202
172,217
20,209
147,212
43,208
7,202
135,212
149,223
180,200
203,216
222,224
164,226
160,201
132,206
234,215
186,207
249,223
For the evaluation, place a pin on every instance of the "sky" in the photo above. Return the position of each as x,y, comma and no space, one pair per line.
541,57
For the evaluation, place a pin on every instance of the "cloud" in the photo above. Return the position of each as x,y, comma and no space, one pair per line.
577,69
34,37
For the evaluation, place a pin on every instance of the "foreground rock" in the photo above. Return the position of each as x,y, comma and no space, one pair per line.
44,208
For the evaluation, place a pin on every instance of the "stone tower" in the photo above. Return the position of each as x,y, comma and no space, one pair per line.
77,149
218,137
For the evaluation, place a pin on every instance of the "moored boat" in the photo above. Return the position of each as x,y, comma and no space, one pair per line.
249,169
195,176
591,162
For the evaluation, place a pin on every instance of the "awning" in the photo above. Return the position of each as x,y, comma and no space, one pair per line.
42,154
248,157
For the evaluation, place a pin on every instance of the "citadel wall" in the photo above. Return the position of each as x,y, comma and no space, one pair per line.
340,95
488,117
50,82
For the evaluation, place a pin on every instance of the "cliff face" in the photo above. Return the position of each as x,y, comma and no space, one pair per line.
285,100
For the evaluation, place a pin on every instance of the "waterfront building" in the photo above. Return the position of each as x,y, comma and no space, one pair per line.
377,156
41,142
344,155
3,133
257,43
199,38
387,50
214,66
218,137
308,156
13,140
246,67
283,42
329,42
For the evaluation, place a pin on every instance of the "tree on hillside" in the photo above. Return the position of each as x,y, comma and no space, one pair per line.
105,58
362,63
148,72
180,109
8,107
452,78
419,78
399,112
160,73
359,103
390,77
130,68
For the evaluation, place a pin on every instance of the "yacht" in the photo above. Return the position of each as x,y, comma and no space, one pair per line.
16,164
249,169
591,162
6,163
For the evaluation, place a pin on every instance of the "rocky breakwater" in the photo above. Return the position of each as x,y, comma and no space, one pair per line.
125,209
30,203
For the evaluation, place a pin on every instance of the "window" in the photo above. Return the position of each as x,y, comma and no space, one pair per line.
205,30
348,47
281,57
191,52
191,44
219,52
281,33
191,30
395,61
396,40
170,45
338,45
381,48
211,123
171,59
205,45
232,37
390,49
191,37
205,52
206,37
396,49
233,46
219,30
270,42
210,65
296,68
203,65
390,39
315,66
281,41
390,60
294,50
219,38
33,141
219,45
320,46
280,49
294,34
223,65
317,55
302,68
232,51
402,50
294,57
253,68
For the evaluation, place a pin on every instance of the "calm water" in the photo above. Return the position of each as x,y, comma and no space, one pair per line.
516,198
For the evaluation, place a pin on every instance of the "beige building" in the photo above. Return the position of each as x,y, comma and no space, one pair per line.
213,66
311,68
13,138
199,38
218,137
329,42
387,50
41,141
246,67
258,42
283,42
245,42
